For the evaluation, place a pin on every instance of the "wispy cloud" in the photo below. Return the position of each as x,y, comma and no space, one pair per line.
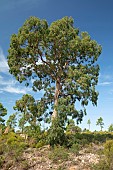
12,86
105,79
3,63
17,90
4,81
105,83
7,83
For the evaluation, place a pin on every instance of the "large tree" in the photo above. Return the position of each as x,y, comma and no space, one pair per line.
58,59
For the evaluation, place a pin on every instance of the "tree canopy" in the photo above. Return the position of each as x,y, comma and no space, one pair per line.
58,59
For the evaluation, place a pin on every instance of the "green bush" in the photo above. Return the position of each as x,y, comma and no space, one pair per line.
56,135
12,145
75,148
58,154
102,165
108,152
106,163
40,144
85,138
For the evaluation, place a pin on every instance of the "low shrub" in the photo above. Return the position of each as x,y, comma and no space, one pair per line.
12,145
58,154
106,162
75,148
108,152
40,144
102,165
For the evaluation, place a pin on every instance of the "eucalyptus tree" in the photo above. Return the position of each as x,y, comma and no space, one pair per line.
58,59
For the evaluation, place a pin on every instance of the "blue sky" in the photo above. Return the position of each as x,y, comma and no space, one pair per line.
93,16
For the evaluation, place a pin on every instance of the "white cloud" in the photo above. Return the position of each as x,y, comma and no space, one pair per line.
105,83
17,90
7,82
12,86
3,63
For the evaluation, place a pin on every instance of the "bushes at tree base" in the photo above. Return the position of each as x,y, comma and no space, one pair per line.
12,145
56,135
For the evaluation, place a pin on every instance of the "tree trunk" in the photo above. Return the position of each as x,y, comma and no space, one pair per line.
57,92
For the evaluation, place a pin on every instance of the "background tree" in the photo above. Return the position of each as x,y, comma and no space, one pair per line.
100,123
3,112
71,128
30,111
59,60
89,123
110,129
12,121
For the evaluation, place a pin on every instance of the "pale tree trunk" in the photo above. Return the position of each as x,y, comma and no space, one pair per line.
57,92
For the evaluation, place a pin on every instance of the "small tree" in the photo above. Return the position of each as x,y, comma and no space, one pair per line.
100,123
110,129
30,111
12,121
3,112
71,128
89,123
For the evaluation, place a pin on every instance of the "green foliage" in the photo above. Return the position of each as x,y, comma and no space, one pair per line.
12,121
58,154
3,112
43,139
100,123
85,138
30,111
108,152
75,148
33,131
60,60
102,165
12,144
56,134
106,163
71,128
110,129
40,144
